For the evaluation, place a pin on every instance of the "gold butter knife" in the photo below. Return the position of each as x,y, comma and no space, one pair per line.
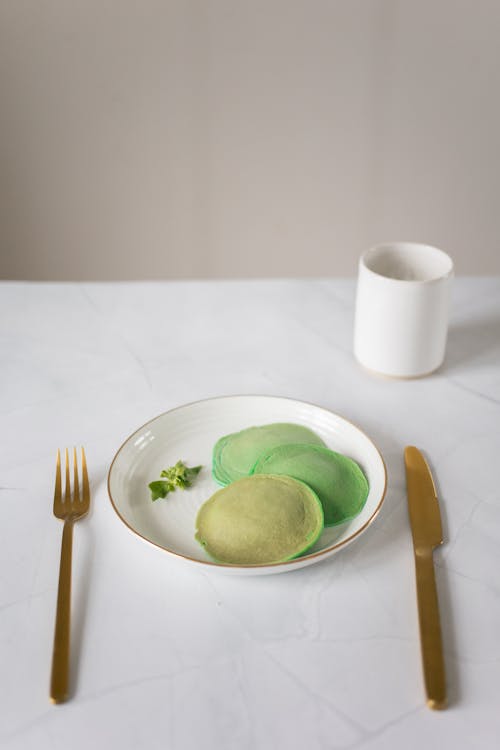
425,520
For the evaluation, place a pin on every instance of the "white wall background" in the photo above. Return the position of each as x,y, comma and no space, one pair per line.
215,138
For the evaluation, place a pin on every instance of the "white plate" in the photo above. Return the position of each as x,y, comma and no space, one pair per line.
189,433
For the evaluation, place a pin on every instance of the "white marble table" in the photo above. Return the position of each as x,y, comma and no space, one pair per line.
170,656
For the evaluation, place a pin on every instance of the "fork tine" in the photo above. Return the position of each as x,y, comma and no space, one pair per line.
67,488
57,490
85,480
76,488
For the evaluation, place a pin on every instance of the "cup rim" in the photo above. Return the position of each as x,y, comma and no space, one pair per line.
402,246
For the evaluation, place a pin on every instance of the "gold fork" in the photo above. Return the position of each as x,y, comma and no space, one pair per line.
69,509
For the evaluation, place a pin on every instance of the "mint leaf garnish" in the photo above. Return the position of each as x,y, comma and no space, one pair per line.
180,475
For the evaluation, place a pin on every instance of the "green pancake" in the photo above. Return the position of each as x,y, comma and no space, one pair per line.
235,455
336,479
260,520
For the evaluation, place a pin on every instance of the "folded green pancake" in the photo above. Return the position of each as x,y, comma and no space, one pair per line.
235,455
260,520
336,479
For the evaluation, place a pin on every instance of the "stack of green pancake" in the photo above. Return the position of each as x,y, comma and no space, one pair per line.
281,486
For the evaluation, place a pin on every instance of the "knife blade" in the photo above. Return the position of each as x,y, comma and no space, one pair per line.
427,533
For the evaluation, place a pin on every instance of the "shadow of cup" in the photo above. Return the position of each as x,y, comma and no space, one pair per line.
469,341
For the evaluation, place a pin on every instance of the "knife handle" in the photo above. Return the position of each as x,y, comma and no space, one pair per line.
430,630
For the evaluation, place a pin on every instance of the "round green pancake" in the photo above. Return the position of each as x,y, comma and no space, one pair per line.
235,455
336,479
260,520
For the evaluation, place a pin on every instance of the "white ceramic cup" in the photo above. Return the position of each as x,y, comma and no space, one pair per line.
402,303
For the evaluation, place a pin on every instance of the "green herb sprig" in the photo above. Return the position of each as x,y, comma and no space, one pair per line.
176,476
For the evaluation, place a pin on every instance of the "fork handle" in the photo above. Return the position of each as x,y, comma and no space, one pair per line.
59,681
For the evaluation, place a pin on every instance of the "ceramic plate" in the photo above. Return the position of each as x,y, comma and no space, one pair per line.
189,433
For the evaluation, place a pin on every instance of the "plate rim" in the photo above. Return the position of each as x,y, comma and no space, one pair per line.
298,561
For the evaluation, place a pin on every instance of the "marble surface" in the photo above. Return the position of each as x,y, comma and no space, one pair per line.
166,655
